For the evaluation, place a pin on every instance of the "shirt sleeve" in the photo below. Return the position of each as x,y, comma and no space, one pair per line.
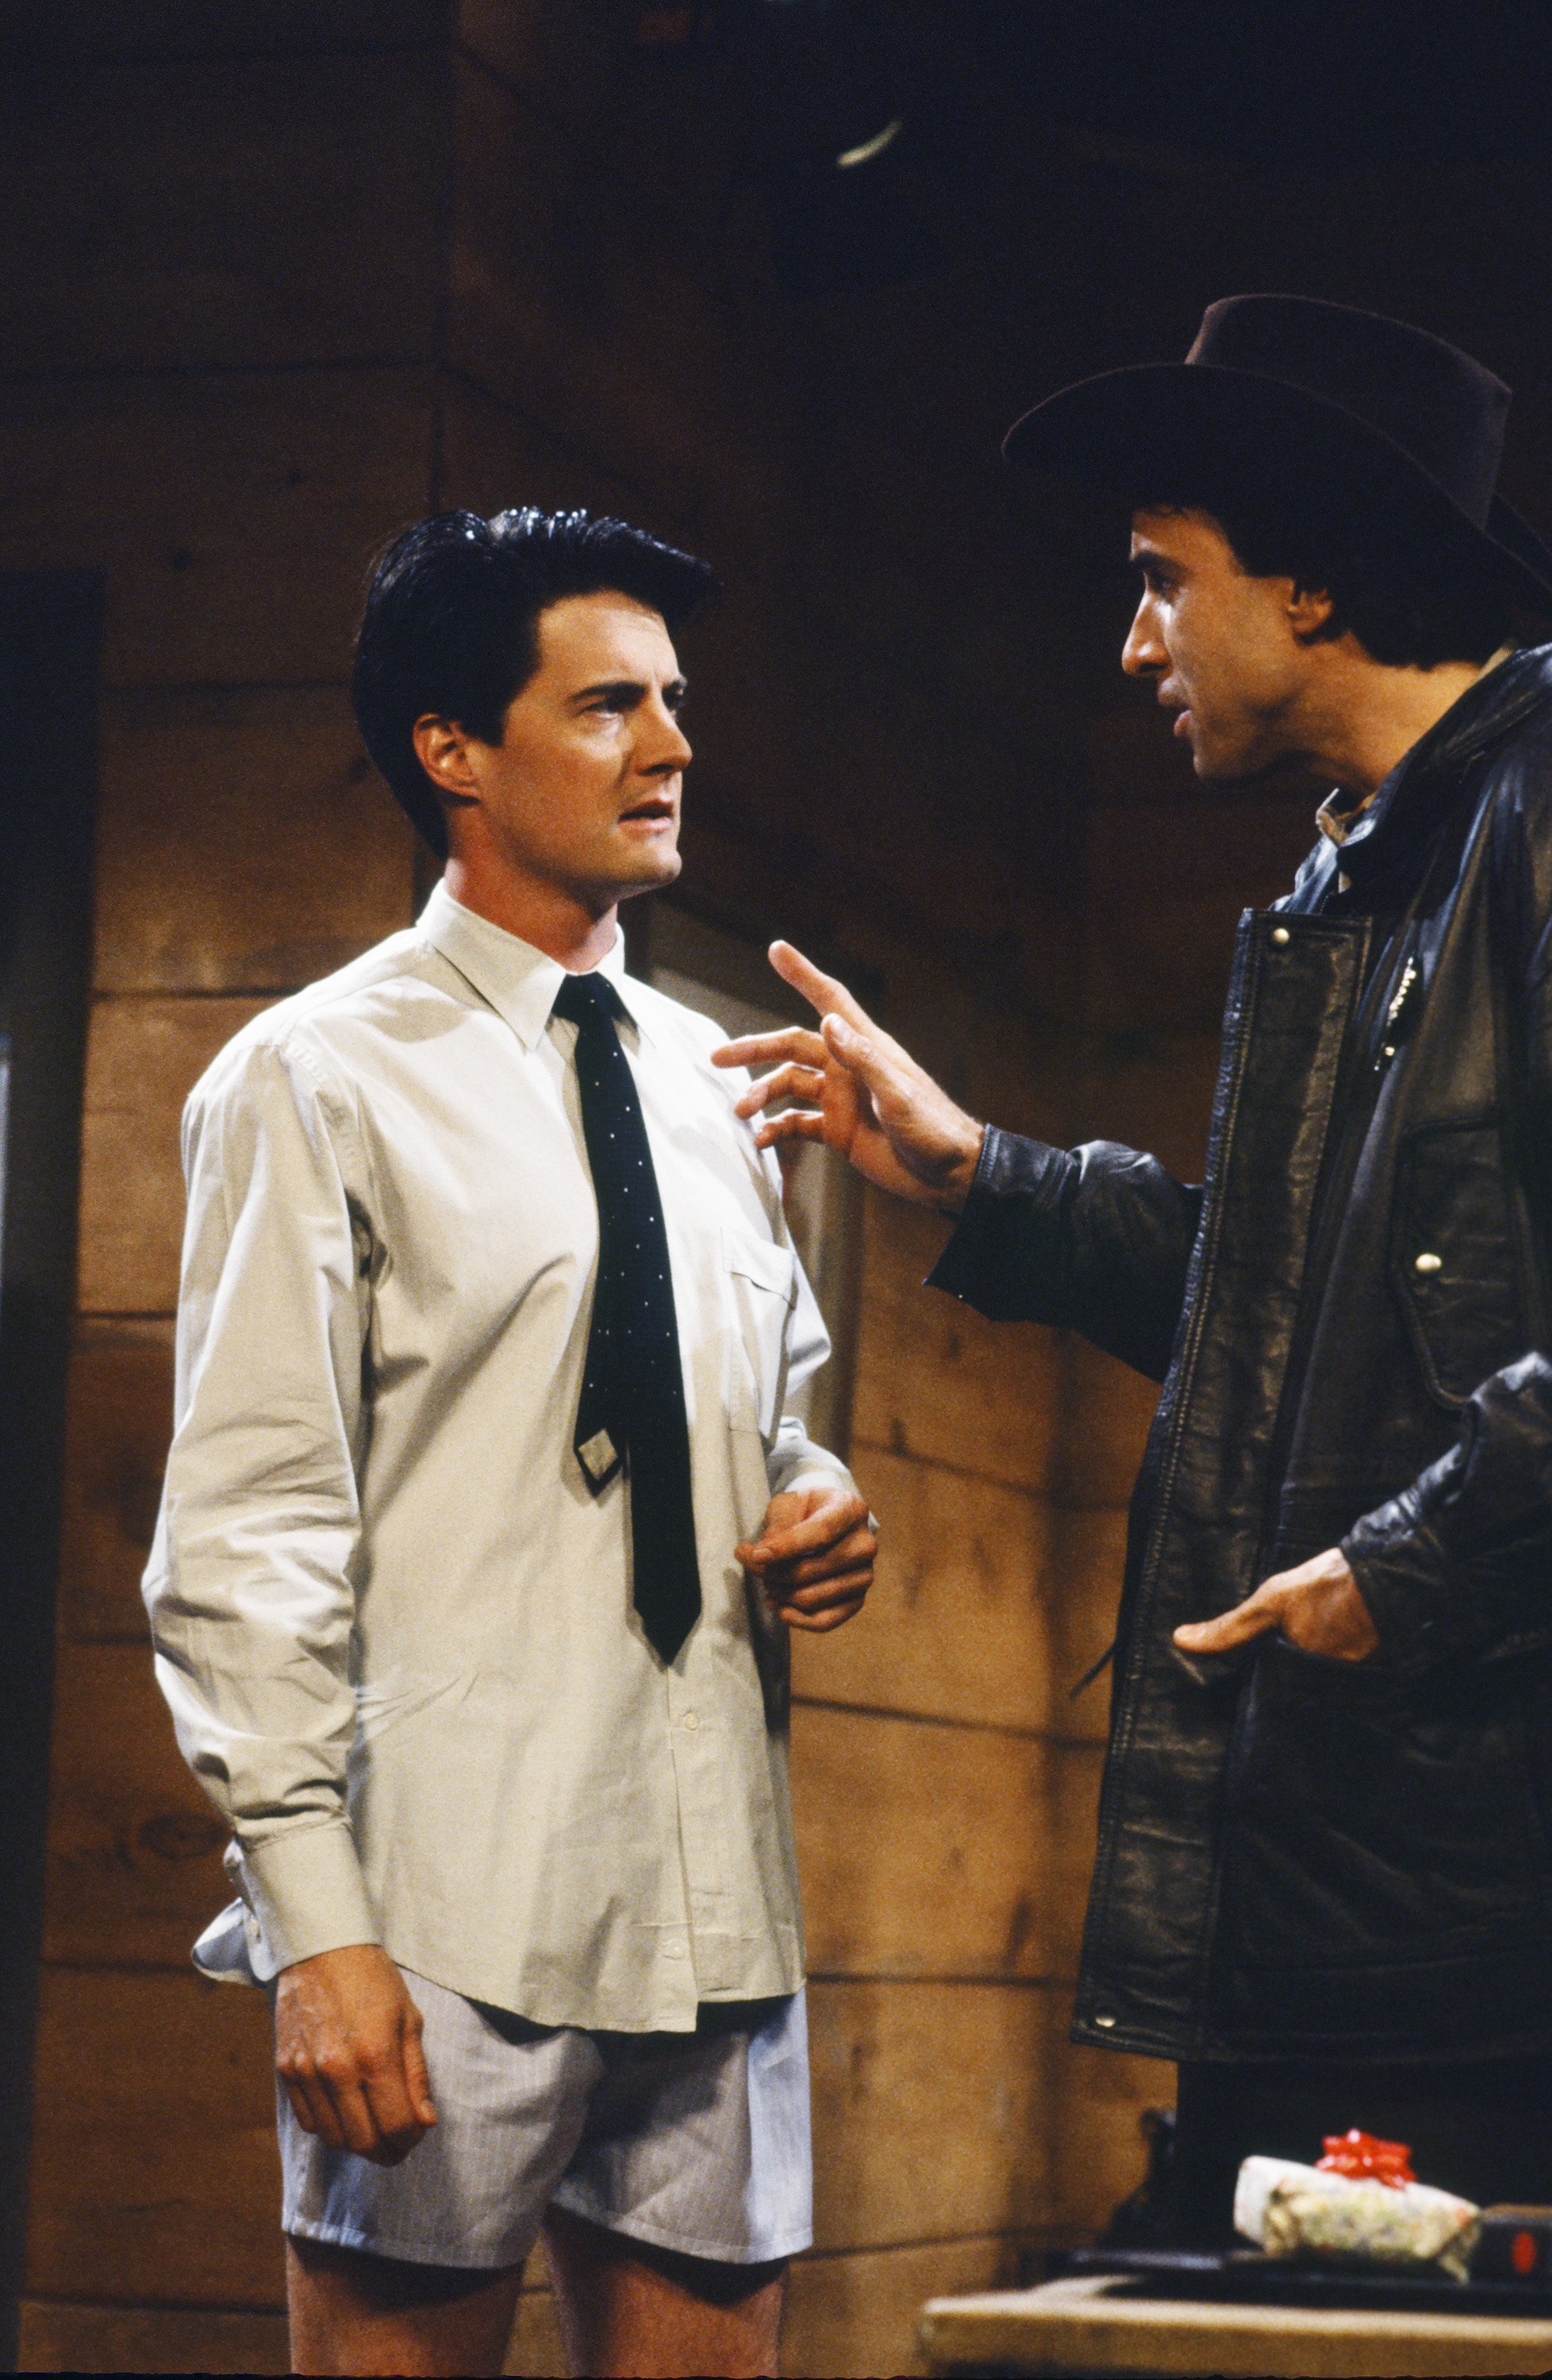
249,1587
795,1461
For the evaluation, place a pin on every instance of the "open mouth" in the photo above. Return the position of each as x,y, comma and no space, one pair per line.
656,811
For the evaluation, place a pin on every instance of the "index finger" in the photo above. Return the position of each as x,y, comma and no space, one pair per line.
822,991
794,1042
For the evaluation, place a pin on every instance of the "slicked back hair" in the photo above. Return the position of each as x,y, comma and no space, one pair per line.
451,624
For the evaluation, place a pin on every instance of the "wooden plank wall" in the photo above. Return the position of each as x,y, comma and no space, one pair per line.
290,274
244,370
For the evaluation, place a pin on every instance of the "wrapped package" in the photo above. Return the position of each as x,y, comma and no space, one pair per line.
1300,2210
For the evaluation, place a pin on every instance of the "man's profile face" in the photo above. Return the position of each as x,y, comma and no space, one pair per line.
1218,645
584,789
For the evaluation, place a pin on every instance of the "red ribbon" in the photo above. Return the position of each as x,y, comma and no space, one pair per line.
1363,2158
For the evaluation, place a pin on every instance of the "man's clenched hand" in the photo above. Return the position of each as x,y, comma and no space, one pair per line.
347,2049
815,1556
866,1097
1317,1607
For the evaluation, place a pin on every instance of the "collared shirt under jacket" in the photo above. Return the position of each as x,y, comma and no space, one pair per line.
395,1627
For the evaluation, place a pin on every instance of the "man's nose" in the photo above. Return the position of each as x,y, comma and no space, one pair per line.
1143,655
665,747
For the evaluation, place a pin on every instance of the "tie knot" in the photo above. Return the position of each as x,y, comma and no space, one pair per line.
582,997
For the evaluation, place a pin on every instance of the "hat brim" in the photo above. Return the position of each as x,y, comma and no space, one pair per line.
1135,432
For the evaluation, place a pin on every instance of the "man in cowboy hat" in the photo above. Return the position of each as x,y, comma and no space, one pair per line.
1324,1882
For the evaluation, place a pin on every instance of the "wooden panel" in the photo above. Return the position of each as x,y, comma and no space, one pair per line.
494,457
143,1058
150,2339
955,1626
1108,1411
77,2337
155,2176
1088,1556
930,2115
1075,1770
933,1379
948,1874
1163,963
1153,1092
134,1847
117,1429
234,516
244,840
183,212
1098,2096
857,2314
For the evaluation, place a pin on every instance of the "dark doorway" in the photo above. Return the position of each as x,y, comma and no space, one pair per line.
50,638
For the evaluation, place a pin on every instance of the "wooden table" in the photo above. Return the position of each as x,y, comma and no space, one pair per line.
1081,2328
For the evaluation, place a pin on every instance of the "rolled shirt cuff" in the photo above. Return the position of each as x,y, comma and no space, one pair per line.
307,1892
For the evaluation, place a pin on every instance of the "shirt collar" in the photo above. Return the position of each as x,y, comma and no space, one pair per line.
518,981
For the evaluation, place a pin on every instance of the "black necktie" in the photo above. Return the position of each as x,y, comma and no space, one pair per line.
632,1406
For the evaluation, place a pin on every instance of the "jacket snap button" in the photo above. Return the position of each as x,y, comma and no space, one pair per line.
1105,2022
1280,934
1427,1263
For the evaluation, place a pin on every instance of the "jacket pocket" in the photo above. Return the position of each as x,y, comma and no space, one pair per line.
761,1281
1452,1257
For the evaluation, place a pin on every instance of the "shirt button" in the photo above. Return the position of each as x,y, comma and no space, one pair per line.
1427,1263
690,1719
673,1949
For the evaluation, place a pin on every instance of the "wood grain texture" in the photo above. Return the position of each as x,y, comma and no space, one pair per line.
118,1428
74,2336
308,232
143,1057
1107,1412
134,1847
231,29
930,2111
856,2314
1152,1090
245,841
155,2177
921,1847
956,1624
936,1380
1088,1557
1073,1771
234,515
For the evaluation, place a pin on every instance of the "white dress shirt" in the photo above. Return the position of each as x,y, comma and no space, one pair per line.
395,1627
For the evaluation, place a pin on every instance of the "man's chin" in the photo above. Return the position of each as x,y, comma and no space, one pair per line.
649,872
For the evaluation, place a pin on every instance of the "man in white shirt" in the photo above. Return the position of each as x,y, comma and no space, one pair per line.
484,1523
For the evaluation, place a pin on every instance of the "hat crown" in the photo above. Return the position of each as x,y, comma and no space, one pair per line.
1437,404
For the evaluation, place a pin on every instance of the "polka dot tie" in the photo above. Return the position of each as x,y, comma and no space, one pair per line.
631,1413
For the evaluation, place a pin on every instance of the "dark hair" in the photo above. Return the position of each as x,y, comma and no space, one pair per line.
451,623
1411,588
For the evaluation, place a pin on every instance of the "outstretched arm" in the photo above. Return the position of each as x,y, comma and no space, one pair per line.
1096,1239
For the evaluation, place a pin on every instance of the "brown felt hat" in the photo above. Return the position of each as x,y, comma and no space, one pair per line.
1275,384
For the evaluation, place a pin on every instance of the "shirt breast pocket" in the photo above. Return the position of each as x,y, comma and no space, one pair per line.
761,1286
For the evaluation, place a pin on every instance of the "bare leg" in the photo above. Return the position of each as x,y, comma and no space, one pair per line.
633,2313
352,2312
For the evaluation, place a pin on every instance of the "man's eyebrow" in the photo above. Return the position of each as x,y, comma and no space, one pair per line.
626,686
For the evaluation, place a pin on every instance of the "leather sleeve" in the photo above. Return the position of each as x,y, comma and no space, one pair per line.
1460,1564
1095,1239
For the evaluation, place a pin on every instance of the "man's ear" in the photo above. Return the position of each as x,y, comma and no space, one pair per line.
442,749
1309,613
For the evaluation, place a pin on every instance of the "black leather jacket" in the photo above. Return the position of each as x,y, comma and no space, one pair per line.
1298,1856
